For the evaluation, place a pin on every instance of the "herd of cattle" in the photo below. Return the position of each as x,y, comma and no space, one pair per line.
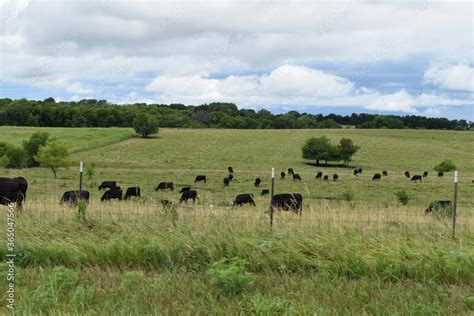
14,190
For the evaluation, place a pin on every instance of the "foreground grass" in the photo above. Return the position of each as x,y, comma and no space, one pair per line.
161,265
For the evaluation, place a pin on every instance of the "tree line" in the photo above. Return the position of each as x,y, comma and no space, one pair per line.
100,113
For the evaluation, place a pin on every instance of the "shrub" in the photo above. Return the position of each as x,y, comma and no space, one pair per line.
402,197
33,145
230,276
442,211
14,157
347,196
445,166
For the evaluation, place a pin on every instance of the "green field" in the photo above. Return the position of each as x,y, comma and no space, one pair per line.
363,255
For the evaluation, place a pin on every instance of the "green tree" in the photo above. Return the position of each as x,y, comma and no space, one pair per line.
13,157
445,166
319,149
346,149
145,125
32,146
53,155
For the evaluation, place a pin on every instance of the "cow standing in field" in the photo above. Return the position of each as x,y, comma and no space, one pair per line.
107,185
230,169
265,192
384,173
425,174
257,182
335,177
200,178
113,193
184,189
376,177
290,171
440,174
282,174
230,177
13,190
407,174
416,178
132,192
360,170
189,194
287,202
165,186
356,172
72,197
226,182
326,178
245,198
319,175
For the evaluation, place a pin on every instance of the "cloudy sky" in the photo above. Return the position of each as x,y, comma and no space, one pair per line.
401,57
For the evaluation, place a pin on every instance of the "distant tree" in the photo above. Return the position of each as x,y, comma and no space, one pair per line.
53,155
145,125
445,166
32,146
346,149
50,99
319,149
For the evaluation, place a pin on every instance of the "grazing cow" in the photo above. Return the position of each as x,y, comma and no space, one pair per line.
230,170
166,203
13,190
190,194
384,173
165,186
356,172
290,171
416,178
360,170
376,176
246,198
72,197
440,174
319,175
282,174
107,185
425,174
230,177
437,205
113,193
257,182
184,189
407,174
132,191
265,192
200,178
335,177
226,182
288,201
296,177
326,178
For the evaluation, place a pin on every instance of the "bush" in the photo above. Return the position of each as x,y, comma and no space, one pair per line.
145,125
13,157
445,166
347,196
33,145
229,276
442,211
402,197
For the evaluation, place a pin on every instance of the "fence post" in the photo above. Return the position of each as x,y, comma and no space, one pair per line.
271,197
81,169
455,201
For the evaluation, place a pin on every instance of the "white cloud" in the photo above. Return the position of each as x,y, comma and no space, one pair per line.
400,101
452,77
77,88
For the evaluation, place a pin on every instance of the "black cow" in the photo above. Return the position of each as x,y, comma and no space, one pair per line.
356,172
384,173
416,178
230,170
290,171
230,177
107,185
200,178
335,177
190,194
164,186
13,190
288,201
296,177
282,174
440,174
407,174
319,175
437,205
113,193
72,197
360,170
245,198
326,178
166,203
257,182
132,191
226,182
184,189
376,176
265,192
425,174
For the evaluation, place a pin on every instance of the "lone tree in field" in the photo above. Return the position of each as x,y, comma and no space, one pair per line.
322,149
145,125
445,166
346,149
33,145
53,155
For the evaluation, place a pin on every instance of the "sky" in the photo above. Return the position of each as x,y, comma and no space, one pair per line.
387,57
